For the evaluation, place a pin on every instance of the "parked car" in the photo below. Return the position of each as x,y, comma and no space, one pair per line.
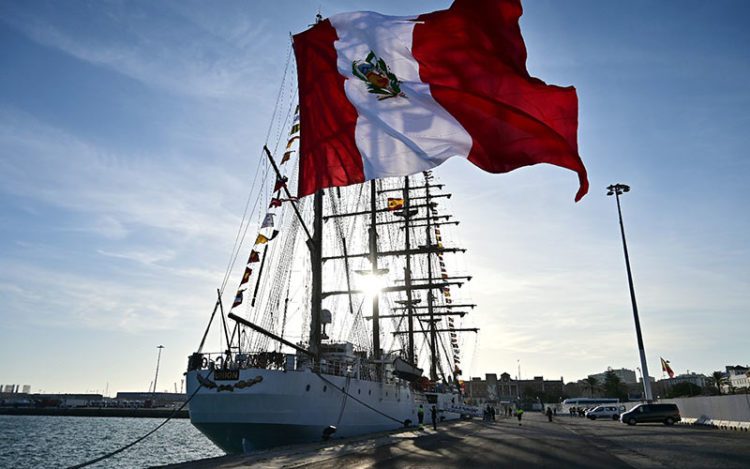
605,412
654,413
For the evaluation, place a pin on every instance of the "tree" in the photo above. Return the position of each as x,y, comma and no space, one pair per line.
684,389
613,386
591,382
718,379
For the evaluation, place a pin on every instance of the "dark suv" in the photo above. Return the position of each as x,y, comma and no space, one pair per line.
643,413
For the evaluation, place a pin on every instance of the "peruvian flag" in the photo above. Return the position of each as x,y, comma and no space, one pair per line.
391,96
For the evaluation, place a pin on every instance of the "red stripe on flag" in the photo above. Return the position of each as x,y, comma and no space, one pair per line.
474,59
329,154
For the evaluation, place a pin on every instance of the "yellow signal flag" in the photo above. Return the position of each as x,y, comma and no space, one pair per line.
246,276
395,203
291,141
261,239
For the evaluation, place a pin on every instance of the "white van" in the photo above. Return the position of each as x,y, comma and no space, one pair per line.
605,412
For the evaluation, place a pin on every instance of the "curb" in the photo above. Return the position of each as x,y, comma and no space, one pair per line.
718,424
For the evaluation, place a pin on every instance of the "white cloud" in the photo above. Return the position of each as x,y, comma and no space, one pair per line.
162,226
109,227
143,257
179,197
193,61
91,301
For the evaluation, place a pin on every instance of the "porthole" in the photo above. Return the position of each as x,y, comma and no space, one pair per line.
369,393
325,388
307,388
359,391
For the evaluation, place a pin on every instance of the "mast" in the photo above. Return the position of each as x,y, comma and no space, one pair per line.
373,234
407,274
409,218
430,296
316,263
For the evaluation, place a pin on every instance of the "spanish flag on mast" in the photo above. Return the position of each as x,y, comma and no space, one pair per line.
666,368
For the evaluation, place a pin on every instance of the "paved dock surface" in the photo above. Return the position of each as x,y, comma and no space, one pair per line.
567,442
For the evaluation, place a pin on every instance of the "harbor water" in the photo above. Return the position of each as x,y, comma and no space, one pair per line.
29,441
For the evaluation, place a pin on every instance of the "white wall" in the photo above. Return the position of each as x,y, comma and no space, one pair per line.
734,407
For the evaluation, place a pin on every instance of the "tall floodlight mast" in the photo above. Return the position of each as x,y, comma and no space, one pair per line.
617,190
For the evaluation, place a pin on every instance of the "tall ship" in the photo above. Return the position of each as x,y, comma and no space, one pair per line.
347,318
375,299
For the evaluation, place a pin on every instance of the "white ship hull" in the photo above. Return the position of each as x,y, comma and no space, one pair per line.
265,408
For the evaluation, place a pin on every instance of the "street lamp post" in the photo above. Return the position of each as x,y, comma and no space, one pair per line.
617,190
158,359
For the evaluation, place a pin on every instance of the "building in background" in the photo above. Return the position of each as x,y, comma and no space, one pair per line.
506,391
738,377
14,388
665,387
152,399
626,376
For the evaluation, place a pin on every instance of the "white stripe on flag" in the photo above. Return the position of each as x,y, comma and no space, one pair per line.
434,134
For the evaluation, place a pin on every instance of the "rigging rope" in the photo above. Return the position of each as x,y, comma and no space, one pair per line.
245,218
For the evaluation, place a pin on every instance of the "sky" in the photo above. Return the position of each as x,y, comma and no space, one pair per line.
131,130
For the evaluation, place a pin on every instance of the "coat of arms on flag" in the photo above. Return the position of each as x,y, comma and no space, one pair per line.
380,80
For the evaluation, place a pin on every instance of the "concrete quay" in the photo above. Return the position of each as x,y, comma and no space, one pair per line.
567,442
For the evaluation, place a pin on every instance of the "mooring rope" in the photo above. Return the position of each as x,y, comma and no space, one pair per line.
343,404
133,443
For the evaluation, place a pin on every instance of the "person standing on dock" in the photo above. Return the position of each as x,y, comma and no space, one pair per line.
420,415
519,415
549,414
433,414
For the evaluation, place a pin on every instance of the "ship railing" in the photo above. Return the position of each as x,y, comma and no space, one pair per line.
357,369
363,370
337,368
240,361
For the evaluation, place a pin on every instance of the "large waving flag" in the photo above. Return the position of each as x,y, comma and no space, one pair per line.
392,96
